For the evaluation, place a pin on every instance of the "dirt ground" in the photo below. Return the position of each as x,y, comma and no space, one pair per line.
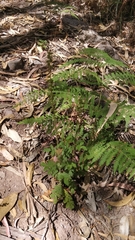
27,30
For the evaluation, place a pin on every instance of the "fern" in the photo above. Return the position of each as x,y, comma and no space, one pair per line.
74,112
101,55
122,77
118,153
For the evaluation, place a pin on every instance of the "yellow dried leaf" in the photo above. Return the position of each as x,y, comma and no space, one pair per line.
29,173
102,27
13,212
122,202
22,205
7,204
47,198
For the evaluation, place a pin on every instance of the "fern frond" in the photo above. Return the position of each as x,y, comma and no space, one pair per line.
80,76
125,113
99,54
123,77
81,122
120,155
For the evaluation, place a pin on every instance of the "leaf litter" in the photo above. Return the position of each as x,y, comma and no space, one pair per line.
23,67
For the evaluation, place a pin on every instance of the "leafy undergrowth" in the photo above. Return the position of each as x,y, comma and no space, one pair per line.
81,121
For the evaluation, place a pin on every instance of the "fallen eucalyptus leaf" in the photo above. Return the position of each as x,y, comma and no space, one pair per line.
29,173
13,170
6,154
122,202
11,133
7,204
124,225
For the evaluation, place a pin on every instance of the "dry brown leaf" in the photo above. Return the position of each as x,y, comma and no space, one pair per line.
29,173
30,110
42,186
13,32
124,237
15,153
5,153
47,198
4,163
4,65
6,90
11,133
14,171
112,109
122,202
84,226
22,204
6,117
124,225
47,192
131,225
102,27
7,204
13,212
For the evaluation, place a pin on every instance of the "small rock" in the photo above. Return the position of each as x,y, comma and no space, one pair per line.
15,64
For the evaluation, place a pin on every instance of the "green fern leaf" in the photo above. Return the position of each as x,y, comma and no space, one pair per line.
50,167
99,54
65,178
132,173
124,77
96,151
118,166
57,193
68,200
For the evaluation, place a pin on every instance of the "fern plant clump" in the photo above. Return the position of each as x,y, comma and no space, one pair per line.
82,122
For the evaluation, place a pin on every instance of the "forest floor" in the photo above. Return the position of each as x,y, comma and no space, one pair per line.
28,31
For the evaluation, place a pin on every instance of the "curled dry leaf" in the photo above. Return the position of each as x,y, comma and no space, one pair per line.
122,202
29,173
47,198
47,192
85,229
